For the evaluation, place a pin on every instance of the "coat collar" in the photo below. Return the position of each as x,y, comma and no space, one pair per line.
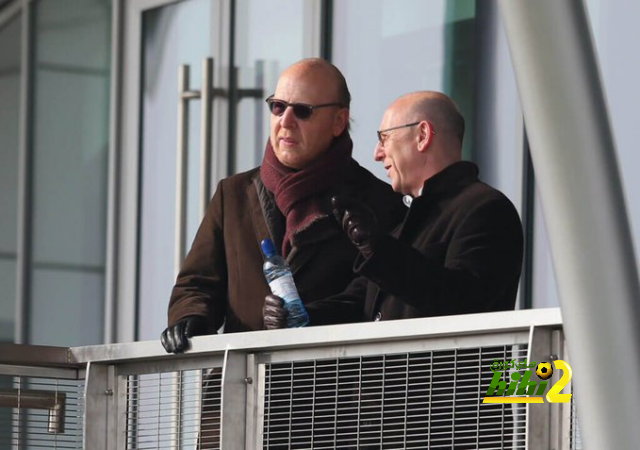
450,180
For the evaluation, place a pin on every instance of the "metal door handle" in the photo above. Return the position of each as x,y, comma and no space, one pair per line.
52,401
206,95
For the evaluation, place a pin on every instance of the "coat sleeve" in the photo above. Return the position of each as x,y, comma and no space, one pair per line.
345,307
201,285
479,271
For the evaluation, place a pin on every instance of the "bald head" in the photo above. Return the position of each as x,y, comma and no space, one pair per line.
436,108
322,69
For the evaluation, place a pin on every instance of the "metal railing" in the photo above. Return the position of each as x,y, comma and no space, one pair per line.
416,383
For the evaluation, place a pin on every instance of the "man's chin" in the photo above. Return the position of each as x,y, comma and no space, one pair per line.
289,160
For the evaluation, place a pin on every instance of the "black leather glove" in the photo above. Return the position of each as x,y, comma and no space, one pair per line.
358,221
175,339
274,313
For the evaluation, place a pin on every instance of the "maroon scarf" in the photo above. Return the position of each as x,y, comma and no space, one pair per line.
298,192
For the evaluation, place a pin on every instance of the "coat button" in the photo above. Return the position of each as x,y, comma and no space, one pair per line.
378,317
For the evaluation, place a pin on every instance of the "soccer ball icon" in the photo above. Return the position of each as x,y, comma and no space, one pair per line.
544,370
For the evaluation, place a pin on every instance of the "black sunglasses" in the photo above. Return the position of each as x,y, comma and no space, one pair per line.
300,110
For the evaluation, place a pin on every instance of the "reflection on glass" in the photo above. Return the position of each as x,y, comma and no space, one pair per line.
174,35
9,128
69,183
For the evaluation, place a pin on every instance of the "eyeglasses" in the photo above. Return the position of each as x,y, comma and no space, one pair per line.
383,134
301,110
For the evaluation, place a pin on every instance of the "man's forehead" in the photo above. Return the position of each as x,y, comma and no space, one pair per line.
395,113
305,83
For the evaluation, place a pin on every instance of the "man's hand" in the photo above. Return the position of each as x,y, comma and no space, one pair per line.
358,221
274,313
175,339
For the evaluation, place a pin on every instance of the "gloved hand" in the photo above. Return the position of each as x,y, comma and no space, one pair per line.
175,339
274,313
358,221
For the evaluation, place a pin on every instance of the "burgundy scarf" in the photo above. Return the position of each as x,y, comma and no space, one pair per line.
298,192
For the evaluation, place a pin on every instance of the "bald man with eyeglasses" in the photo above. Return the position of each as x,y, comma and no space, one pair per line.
307,160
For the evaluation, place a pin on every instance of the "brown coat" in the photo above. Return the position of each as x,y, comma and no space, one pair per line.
221,277
458,251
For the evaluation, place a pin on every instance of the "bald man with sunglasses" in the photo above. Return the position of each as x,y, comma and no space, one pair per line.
307,160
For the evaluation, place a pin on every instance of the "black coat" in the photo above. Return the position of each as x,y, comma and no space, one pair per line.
458,251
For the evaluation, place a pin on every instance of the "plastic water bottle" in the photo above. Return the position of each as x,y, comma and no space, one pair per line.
280,279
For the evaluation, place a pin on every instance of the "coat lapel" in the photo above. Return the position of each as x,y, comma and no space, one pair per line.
268,222
261,227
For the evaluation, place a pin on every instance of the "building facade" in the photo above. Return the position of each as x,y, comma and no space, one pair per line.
92,117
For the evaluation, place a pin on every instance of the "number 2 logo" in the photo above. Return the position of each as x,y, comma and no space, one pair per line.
554,396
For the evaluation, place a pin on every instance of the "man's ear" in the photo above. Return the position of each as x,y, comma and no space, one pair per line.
340,121
424,136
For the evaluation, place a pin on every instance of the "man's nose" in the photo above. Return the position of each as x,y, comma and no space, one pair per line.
378,152
288,118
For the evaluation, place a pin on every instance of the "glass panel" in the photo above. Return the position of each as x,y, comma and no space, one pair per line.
173,35
10,43
7,299
544,290
498,119
260,55
615,27
388,48
66,309
70,150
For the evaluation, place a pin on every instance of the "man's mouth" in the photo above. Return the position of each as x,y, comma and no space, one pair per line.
288,141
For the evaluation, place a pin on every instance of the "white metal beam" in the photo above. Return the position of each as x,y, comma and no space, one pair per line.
574,157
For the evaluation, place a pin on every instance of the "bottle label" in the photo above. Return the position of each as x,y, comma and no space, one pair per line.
285,288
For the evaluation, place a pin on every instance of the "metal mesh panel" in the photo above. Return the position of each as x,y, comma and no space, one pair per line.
394,401
575,435
177,410
41,413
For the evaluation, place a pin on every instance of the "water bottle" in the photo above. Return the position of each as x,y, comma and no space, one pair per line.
280,280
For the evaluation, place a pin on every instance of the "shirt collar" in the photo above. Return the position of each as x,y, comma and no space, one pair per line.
408,199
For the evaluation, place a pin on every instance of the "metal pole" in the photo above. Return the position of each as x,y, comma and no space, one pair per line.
181,165
574,156
205,130
113,199
25,188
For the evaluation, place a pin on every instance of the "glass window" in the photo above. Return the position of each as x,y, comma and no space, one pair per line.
70,146
173,35
389,48
615,28
10,72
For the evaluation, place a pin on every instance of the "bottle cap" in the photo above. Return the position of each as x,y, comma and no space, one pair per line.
268,248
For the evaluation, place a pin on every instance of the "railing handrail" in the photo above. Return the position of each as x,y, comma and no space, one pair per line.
321,336
37,356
